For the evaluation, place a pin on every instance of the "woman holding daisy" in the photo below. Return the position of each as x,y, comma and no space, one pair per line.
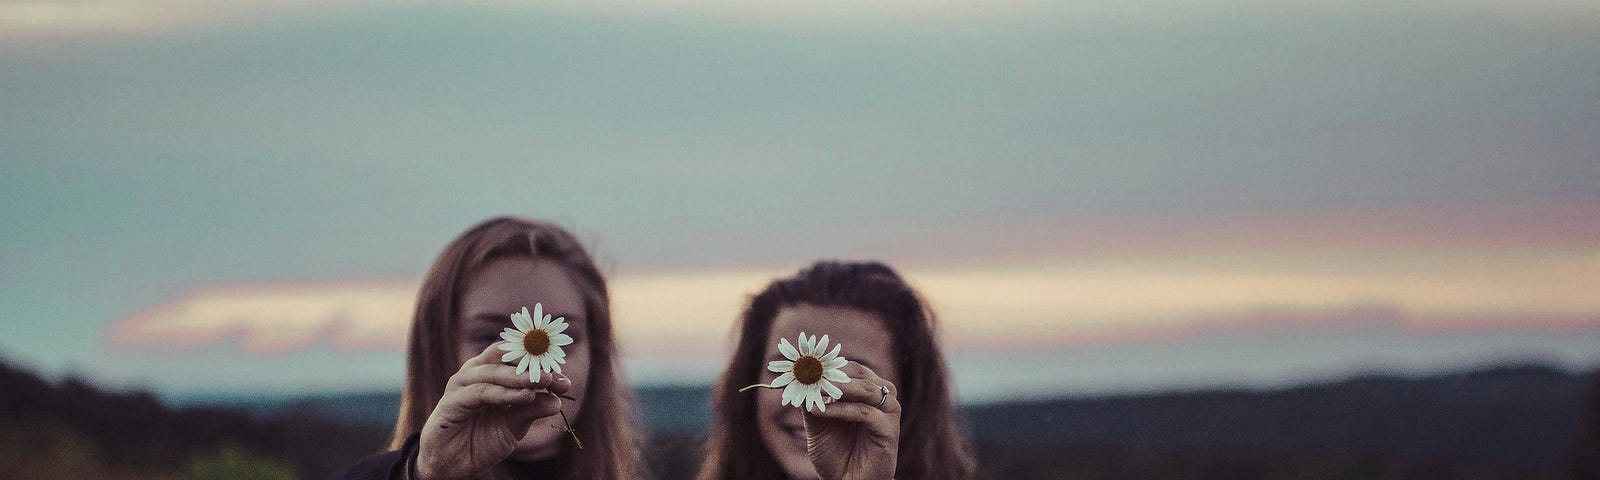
855,386
512,369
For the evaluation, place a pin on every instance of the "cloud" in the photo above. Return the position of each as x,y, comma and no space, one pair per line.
1042,305
58,17
1286,324
1499,229
666,312
275,319
92,17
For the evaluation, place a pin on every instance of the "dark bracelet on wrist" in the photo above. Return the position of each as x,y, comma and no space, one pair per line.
411,466
410,452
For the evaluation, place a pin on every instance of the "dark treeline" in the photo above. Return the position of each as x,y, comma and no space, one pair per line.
1525,422
1514,422
73,430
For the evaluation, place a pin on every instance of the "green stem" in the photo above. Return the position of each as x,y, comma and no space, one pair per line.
569,429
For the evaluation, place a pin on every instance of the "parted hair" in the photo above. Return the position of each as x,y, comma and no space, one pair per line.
933,443
607,424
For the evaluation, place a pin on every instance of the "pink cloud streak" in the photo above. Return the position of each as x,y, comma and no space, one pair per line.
1370,319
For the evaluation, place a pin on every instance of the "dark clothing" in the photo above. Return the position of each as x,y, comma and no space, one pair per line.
402,465
392,465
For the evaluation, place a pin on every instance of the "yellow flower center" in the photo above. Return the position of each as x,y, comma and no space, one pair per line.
536,342
808,370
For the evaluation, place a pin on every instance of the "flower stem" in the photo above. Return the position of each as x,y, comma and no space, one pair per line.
569,429
762,385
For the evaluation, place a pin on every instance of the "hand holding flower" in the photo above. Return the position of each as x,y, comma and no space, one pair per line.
486,408
852,420
856,437
489,405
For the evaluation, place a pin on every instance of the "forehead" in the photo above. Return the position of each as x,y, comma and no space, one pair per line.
507,285
857,330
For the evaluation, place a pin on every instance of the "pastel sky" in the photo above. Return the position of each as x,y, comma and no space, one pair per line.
1097,196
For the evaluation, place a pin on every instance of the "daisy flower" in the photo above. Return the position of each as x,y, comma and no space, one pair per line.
537,340
808,373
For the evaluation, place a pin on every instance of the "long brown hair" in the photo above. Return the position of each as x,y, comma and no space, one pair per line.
933,444
607,424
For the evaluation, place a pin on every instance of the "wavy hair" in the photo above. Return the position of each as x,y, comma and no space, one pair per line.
608,419
933,443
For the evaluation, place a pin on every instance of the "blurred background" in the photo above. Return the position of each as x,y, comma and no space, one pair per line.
1214,239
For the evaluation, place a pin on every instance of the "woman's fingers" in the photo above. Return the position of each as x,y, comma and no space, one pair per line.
866,388
479,395
500,374
485,381
881,424
490,354
487,367
559,384
850,412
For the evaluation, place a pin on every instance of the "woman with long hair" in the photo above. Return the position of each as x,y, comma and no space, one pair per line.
465,412
895,416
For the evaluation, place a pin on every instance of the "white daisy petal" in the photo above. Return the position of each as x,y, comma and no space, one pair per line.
525,321
809,396
831,390
555,327
787,349
521,320
814,397
810,391
831,355
790,391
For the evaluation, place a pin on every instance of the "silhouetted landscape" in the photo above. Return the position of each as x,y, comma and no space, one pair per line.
1527,421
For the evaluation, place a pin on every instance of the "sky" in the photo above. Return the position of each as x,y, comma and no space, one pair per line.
1095,196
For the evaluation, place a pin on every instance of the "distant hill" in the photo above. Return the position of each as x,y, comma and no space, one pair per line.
1522,413
73,430
1506,419
1516,412
1502,422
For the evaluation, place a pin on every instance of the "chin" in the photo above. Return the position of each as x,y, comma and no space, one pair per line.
798,467
536,447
